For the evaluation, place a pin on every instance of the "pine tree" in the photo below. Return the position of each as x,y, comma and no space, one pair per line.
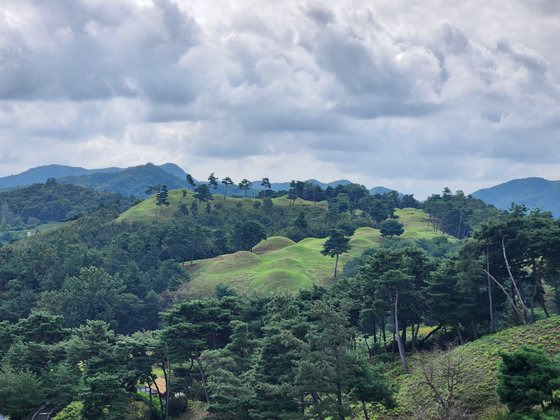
528,377
162,198
337,243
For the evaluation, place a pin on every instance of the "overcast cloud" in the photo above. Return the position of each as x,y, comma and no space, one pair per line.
410,95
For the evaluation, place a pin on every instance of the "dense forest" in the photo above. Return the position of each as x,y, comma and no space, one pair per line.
26,209
93,323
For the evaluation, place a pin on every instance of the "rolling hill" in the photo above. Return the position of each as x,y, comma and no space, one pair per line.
532,192
145,211
278,265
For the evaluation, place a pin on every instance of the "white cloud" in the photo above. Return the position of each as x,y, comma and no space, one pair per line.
411,95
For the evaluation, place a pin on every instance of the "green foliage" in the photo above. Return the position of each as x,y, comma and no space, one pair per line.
337,243
162,197
21,392
248,234
529,378
103,397
93,294
52,202
391,227
72,411
457,214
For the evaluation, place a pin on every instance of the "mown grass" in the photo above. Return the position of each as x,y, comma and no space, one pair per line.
279,266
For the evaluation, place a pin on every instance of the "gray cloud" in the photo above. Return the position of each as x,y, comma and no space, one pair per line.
413,96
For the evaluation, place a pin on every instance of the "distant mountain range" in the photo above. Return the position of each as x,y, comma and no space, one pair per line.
134,180
532,192
41,173
127,181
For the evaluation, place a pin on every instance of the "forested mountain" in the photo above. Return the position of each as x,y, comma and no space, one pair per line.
81,176
130,181
136,179
31,206
531,192
40,174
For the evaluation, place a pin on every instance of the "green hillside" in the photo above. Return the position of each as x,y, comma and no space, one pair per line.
481,358
278,265
146,210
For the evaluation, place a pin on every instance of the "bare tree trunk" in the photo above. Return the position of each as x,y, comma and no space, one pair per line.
527,319
489,286
509,297
399,341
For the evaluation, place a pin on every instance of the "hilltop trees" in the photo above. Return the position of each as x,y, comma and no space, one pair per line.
202,194
337,243
245,185
162,198
265,183
213,181
227,183
457,214
190,181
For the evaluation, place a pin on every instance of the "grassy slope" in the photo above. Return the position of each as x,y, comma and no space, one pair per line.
278,265
146,210
483,356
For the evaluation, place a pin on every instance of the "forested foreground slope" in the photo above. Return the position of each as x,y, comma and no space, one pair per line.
474,366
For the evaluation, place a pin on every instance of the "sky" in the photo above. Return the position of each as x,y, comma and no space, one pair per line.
411,95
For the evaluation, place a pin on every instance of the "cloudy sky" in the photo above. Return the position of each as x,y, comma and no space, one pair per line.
413,95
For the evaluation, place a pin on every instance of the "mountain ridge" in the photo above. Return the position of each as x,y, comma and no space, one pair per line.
533,192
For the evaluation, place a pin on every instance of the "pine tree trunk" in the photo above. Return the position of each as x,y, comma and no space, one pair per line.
366,415
399,341
490,300
335,266
203,381
383,333
167,383
459,335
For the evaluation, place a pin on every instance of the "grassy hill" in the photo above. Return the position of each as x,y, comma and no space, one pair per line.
278,265
146,210
481,358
